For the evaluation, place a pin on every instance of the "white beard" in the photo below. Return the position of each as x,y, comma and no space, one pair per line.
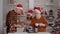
38,16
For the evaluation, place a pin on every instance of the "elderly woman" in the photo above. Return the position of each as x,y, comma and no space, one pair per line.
12,16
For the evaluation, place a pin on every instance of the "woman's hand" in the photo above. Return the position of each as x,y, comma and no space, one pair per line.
18,25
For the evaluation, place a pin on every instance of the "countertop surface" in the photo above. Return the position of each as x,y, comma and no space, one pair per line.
31,33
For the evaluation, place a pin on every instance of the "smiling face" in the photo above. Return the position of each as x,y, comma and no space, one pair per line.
37,14
19,11
29,17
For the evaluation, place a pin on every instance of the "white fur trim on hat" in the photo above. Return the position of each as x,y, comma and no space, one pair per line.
30,14
20,8
37,11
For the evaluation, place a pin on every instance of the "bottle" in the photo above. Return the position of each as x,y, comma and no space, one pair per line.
36,30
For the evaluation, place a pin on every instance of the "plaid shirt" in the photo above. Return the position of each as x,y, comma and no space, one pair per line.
11,18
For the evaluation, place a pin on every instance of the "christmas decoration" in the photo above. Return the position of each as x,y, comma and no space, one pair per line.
58,13
51,12
50,17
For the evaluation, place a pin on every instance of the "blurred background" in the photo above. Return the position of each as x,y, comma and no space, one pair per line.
7,5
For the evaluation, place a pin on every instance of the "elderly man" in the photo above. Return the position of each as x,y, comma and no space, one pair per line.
11,17
38,22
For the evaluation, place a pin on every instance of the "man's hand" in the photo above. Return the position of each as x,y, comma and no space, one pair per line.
36,24
41,24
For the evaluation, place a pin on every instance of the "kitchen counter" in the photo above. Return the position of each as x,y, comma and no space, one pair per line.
31,33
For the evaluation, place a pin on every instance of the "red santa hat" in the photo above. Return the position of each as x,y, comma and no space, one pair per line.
38,9
19,6
30,12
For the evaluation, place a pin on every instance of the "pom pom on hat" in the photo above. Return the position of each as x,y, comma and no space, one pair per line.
30,12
